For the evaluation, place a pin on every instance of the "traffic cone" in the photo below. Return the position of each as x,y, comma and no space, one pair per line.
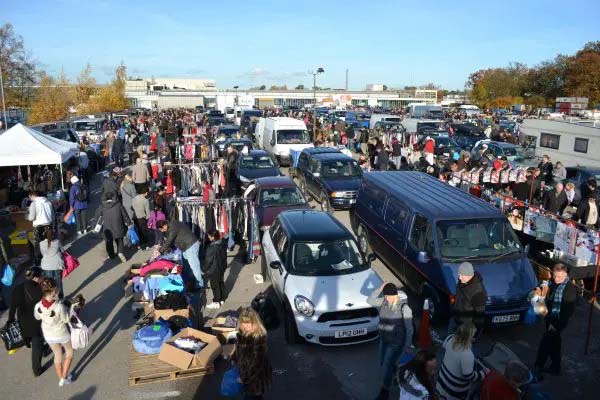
424,335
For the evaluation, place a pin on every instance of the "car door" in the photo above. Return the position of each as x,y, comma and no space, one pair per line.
314,167
279,276
270,253
393,246
420,240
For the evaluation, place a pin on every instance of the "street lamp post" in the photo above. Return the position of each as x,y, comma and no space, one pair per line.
3,105
237,101
314,74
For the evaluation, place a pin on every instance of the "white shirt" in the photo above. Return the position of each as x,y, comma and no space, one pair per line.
41,212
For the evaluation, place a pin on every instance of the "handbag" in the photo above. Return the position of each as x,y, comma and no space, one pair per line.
12,336
79,332
133,237
98,226
68,216
8,276
230,385
71,263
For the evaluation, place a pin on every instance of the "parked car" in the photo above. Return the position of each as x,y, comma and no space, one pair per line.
216,121
273,195
223,133
467,140
229,114
513,152
280,135
255,164
423,229
331,178
444,145
237,143
67,134
321,279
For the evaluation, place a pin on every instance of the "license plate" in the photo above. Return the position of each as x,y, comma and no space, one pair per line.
350,333
353,201
506,318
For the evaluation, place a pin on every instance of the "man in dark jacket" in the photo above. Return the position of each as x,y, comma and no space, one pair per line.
560,302
470,298
24,298
555,200
111,184
231,183
215,263
178,234
383,159
546,167
115,222
118,151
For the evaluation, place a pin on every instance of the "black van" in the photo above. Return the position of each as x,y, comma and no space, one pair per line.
423,229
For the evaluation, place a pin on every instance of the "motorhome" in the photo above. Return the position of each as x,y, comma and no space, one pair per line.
570,141
425,111
375,118
279,135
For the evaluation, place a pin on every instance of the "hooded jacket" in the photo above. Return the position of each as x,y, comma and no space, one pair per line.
41,212
469,301
215,258
127,194
395,320
54,321
110,185
139,172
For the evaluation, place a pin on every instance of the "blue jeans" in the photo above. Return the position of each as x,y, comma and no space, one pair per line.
193,261
55,274
389,355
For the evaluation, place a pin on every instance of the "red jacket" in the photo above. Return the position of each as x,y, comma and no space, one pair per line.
429,146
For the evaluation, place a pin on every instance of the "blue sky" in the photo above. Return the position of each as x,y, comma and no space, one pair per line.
253,42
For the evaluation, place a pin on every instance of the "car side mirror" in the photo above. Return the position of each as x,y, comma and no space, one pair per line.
423,257
275,265
371,257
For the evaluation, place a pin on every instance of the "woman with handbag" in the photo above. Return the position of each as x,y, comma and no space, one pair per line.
24,298
52,258
55,318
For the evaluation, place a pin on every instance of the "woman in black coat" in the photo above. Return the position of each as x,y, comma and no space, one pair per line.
24,298
215,263
115,223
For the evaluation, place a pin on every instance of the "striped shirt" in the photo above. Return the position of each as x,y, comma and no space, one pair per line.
456,373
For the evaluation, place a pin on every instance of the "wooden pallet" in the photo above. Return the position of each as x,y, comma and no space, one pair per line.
149,369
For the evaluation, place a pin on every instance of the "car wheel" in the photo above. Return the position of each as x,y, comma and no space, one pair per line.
290,328
363,241
263,269
325,206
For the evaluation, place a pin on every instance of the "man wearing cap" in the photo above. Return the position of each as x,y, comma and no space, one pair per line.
395,330
79,204
470,298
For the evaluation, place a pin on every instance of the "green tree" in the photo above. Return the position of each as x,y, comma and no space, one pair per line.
18,69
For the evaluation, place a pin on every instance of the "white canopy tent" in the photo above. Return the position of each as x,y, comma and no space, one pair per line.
21,145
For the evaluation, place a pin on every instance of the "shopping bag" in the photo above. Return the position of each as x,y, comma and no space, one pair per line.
79,332
68,215
8,275
230,386
71,220
11,336
133,237
98,226
71,263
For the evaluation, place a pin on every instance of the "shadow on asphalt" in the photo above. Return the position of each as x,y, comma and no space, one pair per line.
87,394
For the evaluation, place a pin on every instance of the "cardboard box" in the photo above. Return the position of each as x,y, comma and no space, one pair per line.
166,314
221,332
185,360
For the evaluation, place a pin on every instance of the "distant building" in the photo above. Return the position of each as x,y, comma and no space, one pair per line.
376,87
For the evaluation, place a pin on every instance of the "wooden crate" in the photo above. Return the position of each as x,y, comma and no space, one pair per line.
149,369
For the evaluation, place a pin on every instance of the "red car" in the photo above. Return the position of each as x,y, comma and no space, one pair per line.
274,194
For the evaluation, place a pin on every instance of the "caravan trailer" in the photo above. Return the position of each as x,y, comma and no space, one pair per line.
573,142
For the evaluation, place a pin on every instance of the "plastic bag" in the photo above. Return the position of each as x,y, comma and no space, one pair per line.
8,276
230,386
12,337
71,220
71,263
133,237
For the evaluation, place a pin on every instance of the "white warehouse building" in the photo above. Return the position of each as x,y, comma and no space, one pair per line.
170,92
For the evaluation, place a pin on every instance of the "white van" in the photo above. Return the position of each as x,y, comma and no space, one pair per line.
229,114
238,113
375,118
279,135
90,127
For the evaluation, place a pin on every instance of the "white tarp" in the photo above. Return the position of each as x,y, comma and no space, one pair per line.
21,145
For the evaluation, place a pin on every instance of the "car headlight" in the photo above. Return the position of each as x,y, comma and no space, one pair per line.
337,194
244,179
304,306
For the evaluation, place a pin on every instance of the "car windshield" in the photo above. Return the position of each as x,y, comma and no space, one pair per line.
85,126
292,136
256,162
476,238
227,132
277,197
512,151
240,145
341,169
327,258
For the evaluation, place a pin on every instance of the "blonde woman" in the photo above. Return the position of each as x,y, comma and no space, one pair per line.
457,371
251,355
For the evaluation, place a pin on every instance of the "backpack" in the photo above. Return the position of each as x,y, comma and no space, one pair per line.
82,193
265,308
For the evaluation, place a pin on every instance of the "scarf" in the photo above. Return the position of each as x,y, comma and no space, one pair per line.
557,298
47,303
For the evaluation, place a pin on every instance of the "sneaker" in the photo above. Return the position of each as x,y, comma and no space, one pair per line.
213,306
122,257
61,383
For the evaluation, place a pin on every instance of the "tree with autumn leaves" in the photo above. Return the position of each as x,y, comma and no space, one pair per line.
563,76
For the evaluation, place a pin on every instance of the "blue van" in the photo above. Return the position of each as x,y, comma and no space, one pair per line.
423,229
